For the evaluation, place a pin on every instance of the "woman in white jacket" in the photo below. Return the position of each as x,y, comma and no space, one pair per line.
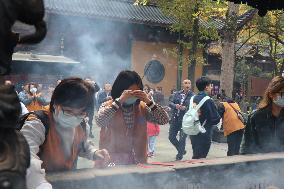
57,145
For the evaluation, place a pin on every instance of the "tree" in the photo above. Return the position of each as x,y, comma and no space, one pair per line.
188,14
228,49
266,36
272,27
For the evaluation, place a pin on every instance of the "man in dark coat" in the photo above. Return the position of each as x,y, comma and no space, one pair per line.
91,113
179,106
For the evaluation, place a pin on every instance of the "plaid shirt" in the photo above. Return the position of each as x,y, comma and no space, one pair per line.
106,113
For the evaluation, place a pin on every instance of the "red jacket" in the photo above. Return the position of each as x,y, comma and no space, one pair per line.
153,129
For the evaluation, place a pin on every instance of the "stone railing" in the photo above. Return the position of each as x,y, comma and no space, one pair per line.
238,172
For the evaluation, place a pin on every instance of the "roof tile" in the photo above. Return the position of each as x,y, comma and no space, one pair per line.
113,9
126,10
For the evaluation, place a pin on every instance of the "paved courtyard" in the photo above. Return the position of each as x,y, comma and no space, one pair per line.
165,152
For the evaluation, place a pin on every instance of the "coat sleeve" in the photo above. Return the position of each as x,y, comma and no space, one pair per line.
248,144
88,149
221,108
173,101
158,115
34,132
27,100
105,114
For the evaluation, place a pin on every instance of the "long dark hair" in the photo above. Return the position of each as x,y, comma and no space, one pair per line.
123,81
275,85
74,93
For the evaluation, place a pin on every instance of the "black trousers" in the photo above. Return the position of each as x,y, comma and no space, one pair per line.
175,127
234,142
200,145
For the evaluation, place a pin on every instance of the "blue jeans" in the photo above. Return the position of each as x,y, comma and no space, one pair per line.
151,143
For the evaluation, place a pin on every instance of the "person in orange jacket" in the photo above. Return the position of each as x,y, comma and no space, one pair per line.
34,99
232,125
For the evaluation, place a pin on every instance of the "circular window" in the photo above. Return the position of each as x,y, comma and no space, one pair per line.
154,71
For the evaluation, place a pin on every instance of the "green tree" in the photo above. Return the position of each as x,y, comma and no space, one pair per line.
272,26
268,34
265,33
188,15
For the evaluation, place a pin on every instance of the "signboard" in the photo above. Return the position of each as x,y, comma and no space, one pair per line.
257,86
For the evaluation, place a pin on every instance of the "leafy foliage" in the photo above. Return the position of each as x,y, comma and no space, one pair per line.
267,34
185,12
244,70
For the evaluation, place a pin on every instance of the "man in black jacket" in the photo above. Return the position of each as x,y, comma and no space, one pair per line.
91,113
104,95
179,106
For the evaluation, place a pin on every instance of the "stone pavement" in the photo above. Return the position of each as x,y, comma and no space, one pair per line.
165,152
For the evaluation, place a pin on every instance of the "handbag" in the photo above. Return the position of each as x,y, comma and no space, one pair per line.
242,116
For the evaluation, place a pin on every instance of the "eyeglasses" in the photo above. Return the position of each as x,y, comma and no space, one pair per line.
76,113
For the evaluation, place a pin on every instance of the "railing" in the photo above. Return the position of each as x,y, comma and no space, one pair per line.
237,172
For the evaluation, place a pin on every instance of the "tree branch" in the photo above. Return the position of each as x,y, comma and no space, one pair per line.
276,38
246,42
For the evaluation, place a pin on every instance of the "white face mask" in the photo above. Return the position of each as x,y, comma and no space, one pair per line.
33,90
279,101
67,121
130,101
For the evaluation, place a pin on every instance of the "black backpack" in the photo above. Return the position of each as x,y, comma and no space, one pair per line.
40,114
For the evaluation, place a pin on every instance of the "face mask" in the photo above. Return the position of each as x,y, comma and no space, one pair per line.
33,90
130,101
67,121
279,101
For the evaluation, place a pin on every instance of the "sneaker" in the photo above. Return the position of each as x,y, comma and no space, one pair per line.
179,157
91,135
150,154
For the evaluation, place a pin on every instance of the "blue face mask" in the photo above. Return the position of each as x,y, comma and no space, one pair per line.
130,101
279,101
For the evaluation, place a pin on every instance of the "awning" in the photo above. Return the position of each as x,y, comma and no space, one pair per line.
28,57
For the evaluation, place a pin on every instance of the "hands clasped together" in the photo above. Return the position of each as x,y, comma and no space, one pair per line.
139,94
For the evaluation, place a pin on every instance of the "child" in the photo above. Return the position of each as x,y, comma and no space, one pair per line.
153,131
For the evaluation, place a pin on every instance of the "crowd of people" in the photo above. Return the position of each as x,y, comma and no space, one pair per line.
130,114
258,132
60,122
